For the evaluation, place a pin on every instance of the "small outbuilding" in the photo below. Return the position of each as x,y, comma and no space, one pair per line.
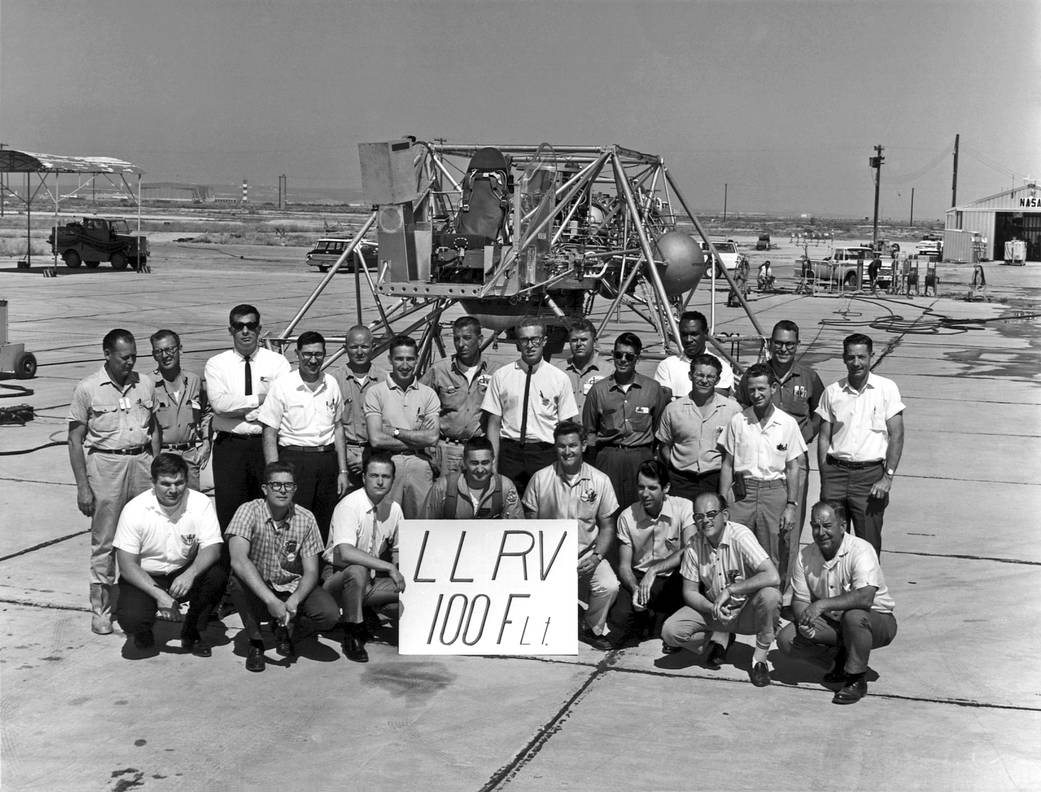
991,222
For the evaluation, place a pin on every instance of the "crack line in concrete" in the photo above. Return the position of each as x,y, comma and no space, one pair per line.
42,545
545,732
962,556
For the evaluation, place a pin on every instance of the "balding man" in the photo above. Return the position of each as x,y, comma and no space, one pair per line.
356,378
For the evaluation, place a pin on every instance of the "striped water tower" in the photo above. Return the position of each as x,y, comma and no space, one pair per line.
245,192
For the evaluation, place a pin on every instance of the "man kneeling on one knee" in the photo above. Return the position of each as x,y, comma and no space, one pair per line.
729,586
839,599
363,533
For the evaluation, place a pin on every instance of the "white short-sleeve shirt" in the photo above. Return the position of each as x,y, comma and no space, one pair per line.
762,451
356,521
167,539
301,416
587,496
854,566
858,418
674,373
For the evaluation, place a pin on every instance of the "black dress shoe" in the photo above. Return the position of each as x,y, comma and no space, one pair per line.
851,693
144,639
599,642
354,647
717,653
255,659
760,674
666,649
283,643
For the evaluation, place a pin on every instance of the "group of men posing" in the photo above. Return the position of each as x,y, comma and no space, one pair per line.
313,472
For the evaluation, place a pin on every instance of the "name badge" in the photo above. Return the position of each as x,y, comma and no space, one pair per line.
643,410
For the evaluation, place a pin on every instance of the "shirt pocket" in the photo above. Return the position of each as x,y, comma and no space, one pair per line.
640,421
104,419
878,420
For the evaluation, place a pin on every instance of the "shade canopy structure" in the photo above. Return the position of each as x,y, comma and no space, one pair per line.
117,172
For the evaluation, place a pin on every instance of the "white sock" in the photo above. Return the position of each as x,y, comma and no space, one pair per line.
720,638
759,655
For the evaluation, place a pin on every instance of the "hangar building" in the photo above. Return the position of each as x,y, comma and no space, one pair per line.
1013,214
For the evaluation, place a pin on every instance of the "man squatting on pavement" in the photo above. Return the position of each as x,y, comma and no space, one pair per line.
168,546
841,605
113,438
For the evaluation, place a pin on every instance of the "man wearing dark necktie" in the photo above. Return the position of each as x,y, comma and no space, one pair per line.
525,401
237,382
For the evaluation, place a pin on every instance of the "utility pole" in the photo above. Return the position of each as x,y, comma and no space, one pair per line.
876,163
724,202
954,178
911,221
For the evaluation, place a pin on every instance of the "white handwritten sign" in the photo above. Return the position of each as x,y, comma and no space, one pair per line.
489,587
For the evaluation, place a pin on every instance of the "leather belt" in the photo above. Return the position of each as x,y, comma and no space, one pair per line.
178,446
843,463
133,450
234,436
309,449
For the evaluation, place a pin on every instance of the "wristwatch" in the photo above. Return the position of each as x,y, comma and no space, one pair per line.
396,433
890,472
793,503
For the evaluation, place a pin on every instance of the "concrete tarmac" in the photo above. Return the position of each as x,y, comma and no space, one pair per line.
954,703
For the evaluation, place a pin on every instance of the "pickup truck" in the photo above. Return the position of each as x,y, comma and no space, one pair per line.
841,268
729,255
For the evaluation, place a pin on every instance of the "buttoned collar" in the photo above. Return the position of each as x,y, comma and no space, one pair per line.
522,366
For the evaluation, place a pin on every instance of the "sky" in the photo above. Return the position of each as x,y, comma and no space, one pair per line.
781,101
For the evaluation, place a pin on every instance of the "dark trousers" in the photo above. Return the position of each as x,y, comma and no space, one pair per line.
666,598
520,461
238,466
315,476
690,485
852,488
317,612
620,463
856,634
135,610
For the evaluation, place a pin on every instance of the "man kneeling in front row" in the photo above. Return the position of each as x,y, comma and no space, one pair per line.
730,586
274,547
362,535
839,599
167,545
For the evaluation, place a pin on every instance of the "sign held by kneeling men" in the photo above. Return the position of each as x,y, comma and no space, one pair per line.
488,587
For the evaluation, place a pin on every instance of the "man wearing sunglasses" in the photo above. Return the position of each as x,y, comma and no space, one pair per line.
622,413
301,426
180,405
525,401
730,586
237,382
274,546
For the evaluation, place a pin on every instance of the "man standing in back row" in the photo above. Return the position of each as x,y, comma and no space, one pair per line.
674,371
237,382
356,378
181,409
861,440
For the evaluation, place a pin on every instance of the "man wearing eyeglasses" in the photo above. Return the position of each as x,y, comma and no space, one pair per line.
690,431
237,382
301,426
674,371
274,546
180,405
622,413
730,586
525,401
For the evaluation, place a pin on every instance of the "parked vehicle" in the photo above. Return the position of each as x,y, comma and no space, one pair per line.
98,239
763,243
327,251
843,267
933,248
730,256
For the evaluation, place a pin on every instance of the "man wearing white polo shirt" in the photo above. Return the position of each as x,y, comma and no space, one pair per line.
167,544
764,461
674,371
861,440
302,427
571,489
525,401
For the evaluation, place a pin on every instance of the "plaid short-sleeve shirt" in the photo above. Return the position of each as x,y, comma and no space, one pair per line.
277,548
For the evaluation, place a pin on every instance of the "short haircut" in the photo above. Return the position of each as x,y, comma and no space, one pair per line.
113,337
531,321
402,341
705,359
694,316
477,444
464,322
170,465
159,335
242,309
271,468
581,324
569,427
857,339
760,370
786,326
838,509
654,469
309,337
359,329
720,500
380,457
629,340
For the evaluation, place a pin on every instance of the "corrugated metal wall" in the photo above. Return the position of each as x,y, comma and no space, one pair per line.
971,222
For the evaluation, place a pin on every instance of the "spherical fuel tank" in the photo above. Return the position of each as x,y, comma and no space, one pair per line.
684,263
